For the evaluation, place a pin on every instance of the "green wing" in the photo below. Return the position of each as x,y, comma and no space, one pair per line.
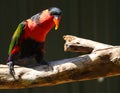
16,36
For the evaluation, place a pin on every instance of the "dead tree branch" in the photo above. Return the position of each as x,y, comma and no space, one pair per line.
102,61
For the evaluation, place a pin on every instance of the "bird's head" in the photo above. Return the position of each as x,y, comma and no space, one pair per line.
56,13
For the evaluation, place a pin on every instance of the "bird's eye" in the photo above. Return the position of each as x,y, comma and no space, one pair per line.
55,13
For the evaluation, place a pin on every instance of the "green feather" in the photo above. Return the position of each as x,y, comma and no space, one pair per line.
16,36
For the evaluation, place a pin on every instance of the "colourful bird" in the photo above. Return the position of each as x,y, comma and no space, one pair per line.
29,38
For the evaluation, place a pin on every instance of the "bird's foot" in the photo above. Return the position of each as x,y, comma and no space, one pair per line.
44,63
11,68
47,64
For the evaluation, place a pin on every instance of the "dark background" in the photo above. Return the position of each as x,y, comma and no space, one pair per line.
97,20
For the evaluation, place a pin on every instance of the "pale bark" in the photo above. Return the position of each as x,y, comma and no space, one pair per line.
102,61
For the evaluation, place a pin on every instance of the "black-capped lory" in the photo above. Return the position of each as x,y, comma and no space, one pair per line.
29,38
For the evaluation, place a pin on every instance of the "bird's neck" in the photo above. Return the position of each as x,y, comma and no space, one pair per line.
38,32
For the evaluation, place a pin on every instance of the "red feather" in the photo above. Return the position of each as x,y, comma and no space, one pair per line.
38,31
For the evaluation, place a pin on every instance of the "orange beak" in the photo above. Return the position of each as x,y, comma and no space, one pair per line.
56,21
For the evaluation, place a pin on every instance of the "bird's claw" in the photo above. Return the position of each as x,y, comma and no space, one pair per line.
49,65
11,68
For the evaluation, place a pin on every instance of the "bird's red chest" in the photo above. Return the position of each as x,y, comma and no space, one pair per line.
38,31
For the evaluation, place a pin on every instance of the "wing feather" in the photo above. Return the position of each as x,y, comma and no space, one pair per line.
16,36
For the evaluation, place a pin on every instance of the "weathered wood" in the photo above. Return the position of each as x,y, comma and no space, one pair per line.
102,61
76,44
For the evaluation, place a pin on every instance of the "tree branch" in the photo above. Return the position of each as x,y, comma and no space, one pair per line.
75,44
103,61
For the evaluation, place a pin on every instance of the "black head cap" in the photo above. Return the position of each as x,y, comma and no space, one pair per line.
55,11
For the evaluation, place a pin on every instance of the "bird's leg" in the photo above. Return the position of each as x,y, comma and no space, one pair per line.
11,66
43,62
40,61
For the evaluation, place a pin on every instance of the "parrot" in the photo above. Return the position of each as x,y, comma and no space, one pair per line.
29,38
